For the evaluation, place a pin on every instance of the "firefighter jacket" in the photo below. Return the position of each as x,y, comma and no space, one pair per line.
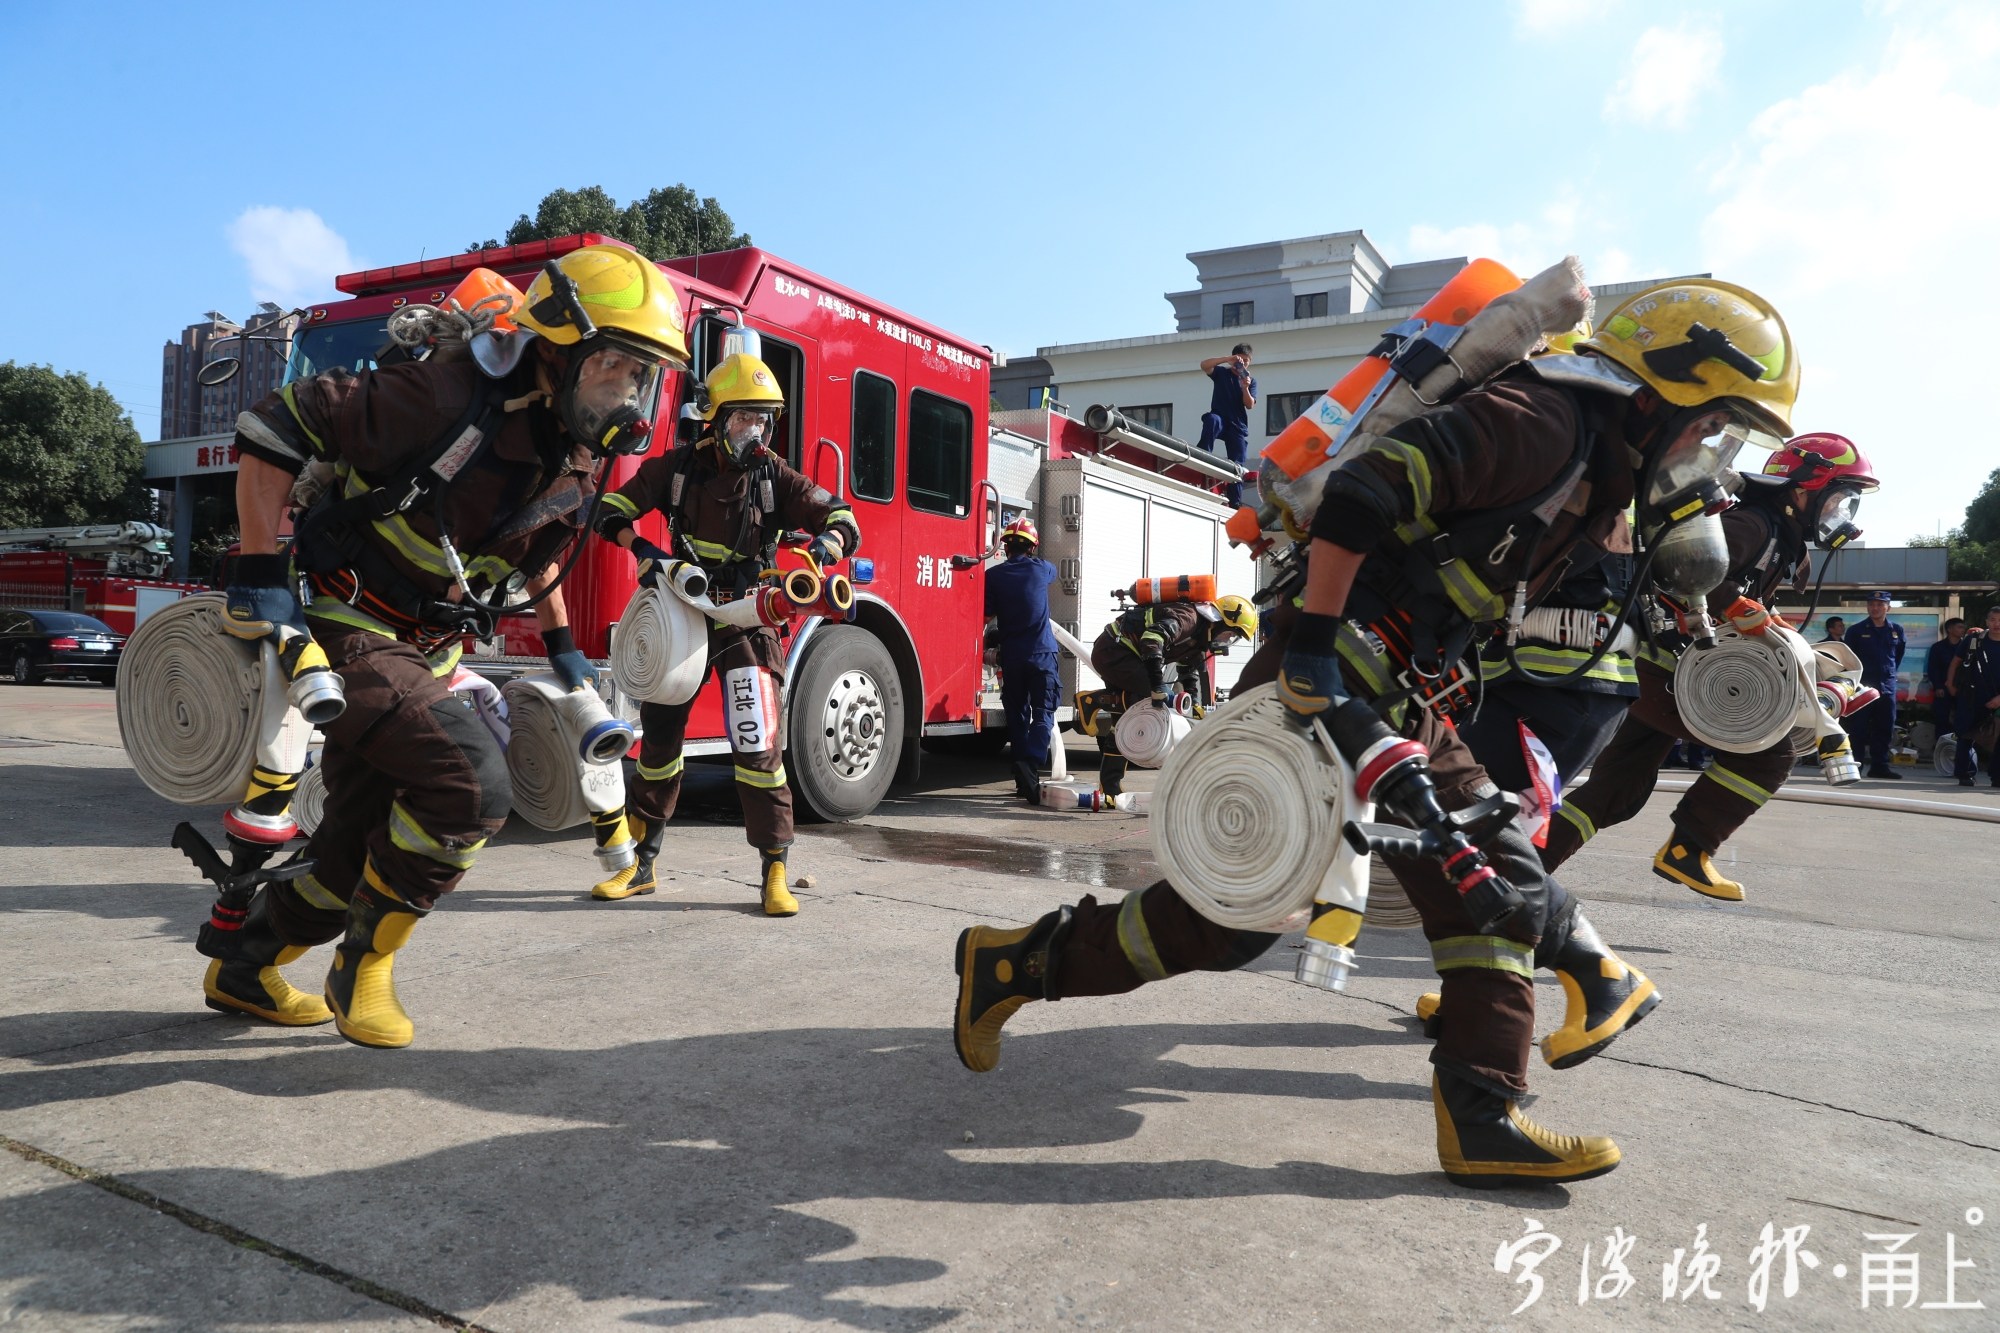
1767,551
727,519
511,507
1440,504
1166,632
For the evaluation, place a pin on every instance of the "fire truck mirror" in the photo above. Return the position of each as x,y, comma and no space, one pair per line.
219,371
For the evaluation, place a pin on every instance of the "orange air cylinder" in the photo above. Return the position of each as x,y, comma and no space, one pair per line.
1175,588
481,283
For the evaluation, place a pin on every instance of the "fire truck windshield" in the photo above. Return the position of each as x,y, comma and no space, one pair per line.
350,346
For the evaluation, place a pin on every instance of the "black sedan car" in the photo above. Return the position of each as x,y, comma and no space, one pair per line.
44,645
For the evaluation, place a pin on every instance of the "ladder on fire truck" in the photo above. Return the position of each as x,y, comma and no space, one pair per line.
129,550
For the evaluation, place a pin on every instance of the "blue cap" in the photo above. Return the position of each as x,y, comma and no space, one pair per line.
1879,597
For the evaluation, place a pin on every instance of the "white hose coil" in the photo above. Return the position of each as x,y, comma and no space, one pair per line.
1389,904
660,648
1147,735
563,753
1246,815
1745,693
1944,756
309,799
197,706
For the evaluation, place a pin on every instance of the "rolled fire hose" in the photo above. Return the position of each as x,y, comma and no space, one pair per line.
1247,814
1147,735
1944,756
660,649
1744,693
563,756
309,798
1983,814
1389,904
198,707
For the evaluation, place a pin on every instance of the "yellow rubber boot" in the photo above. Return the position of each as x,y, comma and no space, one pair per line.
1603,996
1684,863
639,877
1484,1142
778,900
1428,1005
249,982
361,989
998,972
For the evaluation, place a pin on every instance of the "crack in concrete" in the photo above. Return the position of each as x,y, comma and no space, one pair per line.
210,1226
120,1036
1806,1101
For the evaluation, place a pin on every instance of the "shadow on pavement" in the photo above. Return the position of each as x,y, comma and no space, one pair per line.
694,1165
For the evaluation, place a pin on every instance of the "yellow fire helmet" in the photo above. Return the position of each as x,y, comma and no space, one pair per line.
1238,614
1558,343
741,381
612,291
1696,341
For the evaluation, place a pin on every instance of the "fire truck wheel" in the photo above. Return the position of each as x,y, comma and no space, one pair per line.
24,670
846,724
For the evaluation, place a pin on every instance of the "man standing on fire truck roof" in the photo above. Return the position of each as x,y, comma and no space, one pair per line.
1673,369
415,783
726,497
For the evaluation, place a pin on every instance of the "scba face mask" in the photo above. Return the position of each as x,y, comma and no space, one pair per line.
609,400
1686,485
745,432
1833,526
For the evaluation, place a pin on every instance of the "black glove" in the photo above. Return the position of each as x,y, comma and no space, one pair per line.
260,603
826,549
572,668
1309,680
652,561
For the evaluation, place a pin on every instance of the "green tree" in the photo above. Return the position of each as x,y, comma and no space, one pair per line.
68,452
667,224
1982,516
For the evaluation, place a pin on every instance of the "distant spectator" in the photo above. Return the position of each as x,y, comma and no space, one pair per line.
1937,670
1835,626
1880,643
1229,404
1975,681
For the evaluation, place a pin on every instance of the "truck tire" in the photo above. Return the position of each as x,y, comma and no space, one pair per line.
845,724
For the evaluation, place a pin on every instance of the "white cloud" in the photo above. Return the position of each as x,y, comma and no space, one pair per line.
1564,226
291,253
1669,70
1546,16
1865,209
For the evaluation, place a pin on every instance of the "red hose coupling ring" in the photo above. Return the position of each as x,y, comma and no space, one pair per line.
1479,875
1380,759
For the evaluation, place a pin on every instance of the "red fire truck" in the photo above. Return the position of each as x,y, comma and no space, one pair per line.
890,413
112,571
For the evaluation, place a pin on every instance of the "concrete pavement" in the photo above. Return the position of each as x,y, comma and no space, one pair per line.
673,1111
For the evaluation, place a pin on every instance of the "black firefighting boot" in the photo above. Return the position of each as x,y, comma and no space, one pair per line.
639,877
998,972
1603,995
778,900
1111,774
1484,1142
360,990
1684,863
250,983
1027,783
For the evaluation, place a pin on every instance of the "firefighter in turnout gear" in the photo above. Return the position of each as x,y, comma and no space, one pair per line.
726,499
1808,493
1420,532
1131,657
446,488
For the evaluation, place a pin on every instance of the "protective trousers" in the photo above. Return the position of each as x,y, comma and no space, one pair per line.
1028,690
1873,729
1727,793
1154,934
751,667
1123,671
415,785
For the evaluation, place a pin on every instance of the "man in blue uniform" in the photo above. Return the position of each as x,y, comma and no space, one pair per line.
1017,594
1937,670
1229,404
1878,642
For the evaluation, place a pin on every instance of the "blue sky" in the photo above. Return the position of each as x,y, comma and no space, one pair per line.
1027,174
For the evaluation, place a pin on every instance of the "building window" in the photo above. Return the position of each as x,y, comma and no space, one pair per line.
940,459
1310,305
1281,409
1153,416
874,440
1238,313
